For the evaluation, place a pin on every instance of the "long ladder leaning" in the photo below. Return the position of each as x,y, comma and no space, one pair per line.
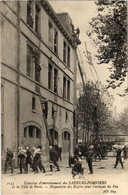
43,117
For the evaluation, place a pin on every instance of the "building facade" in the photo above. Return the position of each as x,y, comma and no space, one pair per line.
38,70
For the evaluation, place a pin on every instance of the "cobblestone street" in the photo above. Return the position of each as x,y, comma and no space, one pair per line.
105,179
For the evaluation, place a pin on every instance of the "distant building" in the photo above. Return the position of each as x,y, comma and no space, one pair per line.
37,53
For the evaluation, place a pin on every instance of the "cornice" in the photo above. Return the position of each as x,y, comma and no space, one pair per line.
48,8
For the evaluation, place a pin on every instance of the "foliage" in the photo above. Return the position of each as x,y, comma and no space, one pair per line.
93,112
122,123
109,32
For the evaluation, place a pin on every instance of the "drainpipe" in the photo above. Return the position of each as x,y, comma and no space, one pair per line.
75,137
18,74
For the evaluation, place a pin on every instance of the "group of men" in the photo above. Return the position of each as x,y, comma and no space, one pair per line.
26,157
78,169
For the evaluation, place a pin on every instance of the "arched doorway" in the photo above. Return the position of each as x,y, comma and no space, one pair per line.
66,144
53,136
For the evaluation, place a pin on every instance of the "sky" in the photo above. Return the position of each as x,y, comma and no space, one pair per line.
81,13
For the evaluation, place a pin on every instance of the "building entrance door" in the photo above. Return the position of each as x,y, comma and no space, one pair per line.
65,145
53,136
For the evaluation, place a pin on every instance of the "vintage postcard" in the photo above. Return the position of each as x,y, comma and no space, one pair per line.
64,97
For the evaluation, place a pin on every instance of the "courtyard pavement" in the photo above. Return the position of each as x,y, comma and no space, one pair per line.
104,180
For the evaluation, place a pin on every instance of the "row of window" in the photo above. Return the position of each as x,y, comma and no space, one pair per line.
52,75
34,132
52,31
46,109
53,82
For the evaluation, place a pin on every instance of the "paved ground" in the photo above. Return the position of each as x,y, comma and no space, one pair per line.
105,179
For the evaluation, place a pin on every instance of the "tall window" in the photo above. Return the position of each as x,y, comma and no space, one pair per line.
50,35
33,103
38,133
25,132
37,18
31,131
68,57
64,52
29,61
66,116
2,40
64,87
66,135
68,90
37,74
29,14
56,42
55,80
50,76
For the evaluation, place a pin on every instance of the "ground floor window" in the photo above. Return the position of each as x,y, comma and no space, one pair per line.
66,136
32,132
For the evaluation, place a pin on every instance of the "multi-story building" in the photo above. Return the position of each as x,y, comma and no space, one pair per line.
38,54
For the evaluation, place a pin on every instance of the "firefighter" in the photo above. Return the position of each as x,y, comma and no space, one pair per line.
89,158
9,160
22,157
53,154
118,158
77,31
38,160
29,158
76,151
77,168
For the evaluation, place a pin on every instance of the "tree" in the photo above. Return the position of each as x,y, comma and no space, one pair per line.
122,123
109,32
92,110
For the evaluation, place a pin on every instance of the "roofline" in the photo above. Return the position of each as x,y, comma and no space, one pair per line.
46,5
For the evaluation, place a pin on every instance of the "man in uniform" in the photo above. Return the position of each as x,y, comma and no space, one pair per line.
118,158
29,158
53,154
77,168
56,147
77,31
38,160
89,159
22,157
9,160
60,152
76,152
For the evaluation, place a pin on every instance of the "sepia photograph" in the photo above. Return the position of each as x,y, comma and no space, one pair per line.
64,97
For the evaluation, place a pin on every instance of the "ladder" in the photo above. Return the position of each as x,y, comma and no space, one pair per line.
80,70
44,117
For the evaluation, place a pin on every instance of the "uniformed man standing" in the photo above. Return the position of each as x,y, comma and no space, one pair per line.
53,155
56,147
9,160
29,158
76,151
90,159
